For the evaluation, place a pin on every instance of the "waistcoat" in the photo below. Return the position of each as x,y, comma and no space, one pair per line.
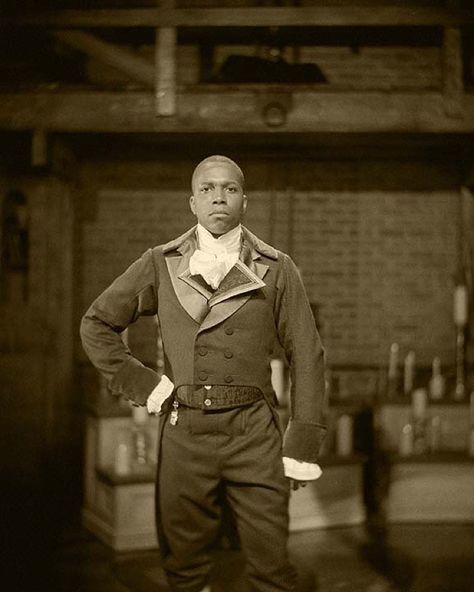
233,352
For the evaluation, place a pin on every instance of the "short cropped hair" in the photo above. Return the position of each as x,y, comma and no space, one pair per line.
218,158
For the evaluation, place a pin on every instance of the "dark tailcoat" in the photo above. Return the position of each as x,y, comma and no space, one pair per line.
225,337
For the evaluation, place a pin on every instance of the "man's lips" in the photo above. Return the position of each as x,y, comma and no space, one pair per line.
219,213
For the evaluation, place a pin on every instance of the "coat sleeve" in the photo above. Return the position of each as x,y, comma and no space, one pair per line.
300,340
131,295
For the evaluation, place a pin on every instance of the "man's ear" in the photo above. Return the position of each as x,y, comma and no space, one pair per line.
244,205
191,204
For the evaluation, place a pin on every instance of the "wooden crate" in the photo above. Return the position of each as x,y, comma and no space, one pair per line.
432,488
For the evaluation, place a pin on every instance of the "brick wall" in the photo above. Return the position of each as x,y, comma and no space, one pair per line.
380,267
393,67
375,242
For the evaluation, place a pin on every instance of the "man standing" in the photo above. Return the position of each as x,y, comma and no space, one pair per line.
223,299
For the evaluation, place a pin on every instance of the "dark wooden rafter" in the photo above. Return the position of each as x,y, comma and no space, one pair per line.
134,66
233,111
208,110
322,16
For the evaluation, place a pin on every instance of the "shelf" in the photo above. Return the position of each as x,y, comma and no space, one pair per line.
110,477
448,457
405,402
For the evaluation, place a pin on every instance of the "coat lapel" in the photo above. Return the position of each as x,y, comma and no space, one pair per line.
239,280
237,287
190,291
225,304
210,308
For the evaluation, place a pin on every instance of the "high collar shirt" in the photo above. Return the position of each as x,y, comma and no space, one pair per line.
215,256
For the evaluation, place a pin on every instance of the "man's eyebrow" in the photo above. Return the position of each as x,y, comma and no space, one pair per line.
226,183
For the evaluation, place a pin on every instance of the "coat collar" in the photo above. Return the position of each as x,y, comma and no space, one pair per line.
188,241
209,308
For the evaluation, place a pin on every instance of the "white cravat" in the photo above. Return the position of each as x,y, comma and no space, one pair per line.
215,256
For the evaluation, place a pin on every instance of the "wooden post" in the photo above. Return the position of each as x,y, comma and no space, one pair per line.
467,261
39,148
452,72
58,314
165,64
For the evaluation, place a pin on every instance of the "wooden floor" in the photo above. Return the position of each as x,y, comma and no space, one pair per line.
411,558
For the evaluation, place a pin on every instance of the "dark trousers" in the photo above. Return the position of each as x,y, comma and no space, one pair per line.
238,450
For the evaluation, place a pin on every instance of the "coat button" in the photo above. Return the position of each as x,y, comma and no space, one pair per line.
203,375
229,331
229,378
207,402
228,354
203,350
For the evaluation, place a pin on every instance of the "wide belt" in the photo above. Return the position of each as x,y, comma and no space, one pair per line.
218,396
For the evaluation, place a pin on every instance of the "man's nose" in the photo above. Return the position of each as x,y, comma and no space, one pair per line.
219,194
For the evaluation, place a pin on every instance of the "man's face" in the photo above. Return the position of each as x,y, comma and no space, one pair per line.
218,199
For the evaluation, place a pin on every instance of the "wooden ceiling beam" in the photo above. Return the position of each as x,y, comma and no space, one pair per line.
134,66
321,16
234,111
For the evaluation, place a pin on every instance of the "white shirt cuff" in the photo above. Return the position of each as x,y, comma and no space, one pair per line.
301,471
159,394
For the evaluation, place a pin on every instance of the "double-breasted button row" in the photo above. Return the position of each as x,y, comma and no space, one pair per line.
204,376
203,351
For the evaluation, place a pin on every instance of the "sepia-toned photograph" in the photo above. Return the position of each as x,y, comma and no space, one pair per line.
236,295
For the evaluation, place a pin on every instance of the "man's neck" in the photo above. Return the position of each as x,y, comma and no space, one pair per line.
229,241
